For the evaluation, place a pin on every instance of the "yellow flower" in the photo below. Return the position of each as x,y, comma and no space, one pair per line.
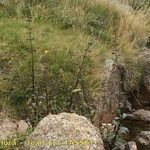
46,51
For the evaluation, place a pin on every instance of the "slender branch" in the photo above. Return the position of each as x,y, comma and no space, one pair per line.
128,86
31,48
79,76
30,39
84,98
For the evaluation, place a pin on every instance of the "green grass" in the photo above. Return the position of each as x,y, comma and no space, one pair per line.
62,30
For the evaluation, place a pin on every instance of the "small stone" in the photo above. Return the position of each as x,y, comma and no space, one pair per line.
22,126
132,145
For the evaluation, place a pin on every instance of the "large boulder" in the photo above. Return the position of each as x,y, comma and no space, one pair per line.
144,88
64,132
107,99
147,69
143,140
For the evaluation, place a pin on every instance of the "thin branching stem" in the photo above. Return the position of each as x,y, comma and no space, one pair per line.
79,75
30,39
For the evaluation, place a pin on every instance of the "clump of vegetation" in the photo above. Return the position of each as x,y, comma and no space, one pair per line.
115,138
61,31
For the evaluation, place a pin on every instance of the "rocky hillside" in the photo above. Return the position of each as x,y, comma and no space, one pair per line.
85,57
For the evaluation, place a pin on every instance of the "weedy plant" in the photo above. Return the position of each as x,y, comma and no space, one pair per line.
33,92
79,87
116,138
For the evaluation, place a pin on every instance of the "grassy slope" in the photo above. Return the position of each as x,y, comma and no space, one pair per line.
62,27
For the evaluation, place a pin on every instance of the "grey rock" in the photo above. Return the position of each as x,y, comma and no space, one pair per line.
64,132
141,115
132,146
22,126
108,97
137,122
143,140
144,57
128,146
7,128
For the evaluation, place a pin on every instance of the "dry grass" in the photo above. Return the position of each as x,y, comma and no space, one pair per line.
137,21
133,25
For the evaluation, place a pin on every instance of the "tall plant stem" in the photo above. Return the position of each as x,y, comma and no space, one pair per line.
30,38
32,60
79,75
